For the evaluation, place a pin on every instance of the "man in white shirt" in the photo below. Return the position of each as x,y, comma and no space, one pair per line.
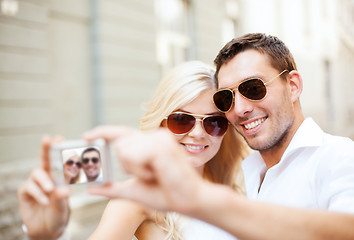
300,180
91,164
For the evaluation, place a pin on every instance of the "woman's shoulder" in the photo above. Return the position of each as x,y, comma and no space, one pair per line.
131,208
120,218
122,205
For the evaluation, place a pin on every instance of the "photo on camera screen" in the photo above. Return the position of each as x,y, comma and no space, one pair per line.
78,162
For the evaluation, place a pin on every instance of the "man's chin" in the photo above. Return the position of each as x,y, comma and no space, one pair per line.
92,177
257,144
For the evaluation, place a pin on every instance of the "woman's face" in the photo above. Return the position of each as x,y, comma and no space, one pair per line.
72,170
199,145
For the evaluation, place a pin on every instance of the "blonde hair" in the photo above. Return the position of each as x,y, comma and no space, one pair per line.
181,86
66,156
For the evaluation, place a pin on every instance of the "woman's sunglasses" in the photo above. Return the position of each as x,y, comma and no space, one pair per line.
94,160
182,123
71,163
252,89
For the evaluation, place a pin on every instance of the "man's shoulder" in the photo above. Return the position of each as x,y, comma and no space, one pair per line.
316,137
336,153
337,141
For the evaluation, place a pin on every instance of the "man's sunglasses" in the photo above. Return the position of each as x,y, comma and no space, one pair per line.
94,160
71,162
182,123
252,89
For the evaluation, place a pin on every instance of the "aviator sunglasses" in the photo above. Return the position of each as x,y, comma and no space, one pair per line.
94,160
252,89
182,123
71,162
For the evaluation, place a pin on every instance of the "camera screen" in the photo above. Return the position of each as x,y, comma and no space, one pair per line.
82,165
77,162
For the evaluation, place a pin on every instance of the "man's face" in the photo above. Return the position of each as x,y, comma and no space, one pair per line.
265,123
91,169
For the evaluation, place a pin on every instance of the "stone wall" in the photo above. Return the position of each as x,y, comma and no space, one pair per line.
10,220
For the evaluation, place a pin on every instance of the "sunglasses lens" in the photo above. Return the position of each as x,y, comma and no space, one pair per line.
216,125
253,89
180,123
86,160
69,162
223,100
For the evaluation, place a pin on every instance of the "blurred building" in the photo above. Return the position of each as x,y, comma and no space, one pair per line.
67,66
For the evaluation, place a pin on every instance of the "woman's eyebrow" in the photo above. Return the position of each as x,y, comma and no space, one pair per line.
212,113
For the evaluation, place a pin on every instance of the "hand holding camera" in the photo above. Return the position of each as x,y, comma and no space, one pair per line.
44,206
43,198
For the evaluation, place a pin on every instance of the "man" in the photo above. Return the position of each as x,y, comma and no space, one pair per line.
300,180
91,164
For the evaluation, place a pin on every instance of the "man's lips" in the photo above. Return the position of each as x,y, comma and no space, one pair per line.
254,123
91,169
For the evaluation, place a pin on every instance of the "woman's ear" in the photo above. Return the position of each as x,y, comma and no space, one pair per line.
295,84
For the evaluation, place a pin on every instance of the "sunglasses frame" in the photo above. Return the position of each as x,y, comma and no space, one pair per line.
72,163
235,88
90,160
200,118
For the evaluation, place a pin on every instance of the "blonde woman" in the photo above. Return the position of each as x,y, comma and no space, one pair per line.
183,104
72,167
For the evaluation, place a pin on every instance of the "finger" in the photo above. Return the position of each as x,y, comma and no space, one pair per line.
110,190
141,154
132,189
40,184
45,146
108,133
132,162
45,151
63,192
42,179
46,184
30,190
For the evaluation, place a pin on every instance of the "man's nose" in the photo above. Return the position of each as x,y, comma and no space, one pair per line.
242,106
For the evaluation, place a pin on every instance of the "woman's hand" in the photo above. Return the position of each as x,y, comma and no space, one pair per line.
44,207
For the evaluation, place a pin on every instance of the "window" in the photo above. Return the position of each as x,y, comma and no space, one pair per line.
230,25
174,27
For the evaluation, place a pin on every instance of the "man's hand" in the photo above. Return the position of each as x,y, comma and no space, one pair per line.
163,178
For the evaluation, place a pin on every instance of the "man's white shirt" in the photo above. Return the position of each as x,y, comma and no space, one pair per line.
316,171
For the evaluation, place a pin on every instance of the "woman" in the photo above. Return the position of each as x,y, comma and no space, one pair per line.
183,104
72,166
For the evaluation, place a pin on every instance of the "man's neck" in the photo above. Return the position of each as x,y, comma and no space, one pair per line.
272,156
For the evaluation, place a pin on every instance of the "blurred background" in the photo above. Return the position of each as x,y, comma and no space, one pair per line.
67,66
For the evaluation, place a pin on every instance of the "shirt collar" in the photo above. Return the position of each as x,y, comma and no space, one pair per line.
309,134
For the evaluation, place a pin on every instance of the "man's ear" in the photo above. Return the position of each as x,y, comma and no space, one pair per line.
295,84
